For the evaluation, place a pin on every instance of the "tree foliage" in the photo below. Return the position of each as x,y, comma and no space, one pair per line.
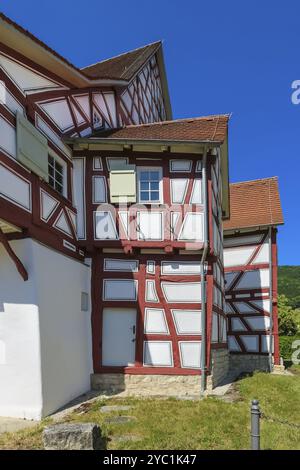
287,317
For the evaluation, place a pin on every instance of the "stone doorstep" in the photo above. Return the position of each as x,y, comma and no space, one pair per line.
280,370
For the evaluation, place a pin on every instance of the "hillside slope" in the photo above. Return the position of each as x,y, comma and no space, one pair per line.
289,284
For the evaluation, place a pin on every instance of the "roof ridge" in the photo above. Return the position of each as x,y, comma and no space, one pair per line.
120,55
161,123
157,46
268,178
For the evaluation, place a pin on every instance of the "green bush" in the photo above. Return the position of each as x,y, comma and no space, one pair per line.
285,343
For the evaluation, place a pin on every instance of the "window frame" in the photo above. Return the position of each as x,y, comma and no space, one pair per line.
63,164
140,169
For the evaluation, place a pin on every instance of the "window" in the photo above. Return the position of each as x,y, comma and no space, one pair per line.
56,174
150,185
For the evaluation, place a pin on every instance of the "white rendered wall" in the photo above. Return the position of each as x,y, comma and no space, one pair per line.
52,358
20,364
65,330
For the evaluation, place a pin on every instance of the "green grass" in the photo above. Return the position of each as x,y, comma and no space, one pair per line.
207,424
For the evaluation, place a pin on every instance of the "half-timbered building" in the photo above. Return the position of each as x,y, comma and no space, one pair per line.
113,262
250,263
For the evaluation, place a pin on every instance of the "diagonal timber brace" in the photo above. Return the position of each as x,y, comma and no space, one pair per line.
18,263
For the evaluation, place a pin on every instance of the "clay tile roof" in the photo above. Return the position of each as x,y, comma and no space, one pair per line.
208,128
254,203
123,66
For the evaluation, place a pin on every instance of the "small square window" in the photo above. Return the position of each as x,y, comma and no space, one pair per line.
150,185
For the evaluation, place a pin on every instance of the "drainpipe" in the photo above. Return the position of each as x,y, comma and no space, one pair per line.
271,301
203,278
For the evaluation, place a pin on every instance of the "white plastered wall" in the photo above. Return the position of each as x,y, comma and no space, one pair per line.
20,361
45,338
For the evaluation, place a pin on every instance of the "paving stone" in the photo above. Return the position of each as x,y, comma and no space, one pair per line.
109,409
119,419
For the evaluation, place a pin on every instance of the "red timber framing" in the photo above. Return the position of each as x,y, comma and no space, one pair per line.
246,303
215,283
140,159
131,249
30,219
274,298
18,263
58,112
98,304
142,102
91,108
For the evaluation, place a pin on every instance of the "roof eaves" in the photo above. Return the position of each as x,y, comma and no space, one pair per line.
252,227
77,71
94,140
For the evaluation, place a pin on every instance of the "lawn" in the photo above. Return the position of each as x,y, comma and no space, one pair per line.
211,423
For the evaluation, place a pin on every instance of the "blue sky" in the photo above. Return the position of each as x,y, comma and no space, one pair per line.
235,57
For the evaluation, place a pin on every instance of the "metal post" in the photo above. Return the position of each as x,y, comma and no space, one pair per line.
255,425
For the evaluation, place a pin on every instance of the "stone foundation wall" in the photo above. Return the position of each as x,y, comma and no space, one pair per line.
223,365
147,385
163,385
219,368
248,363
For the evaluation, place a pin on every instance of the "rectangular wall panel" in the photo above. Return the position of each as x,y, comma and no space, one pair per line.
158,353
180,166
182,292
258,323
14,188
187,322
192,228
150,225
120,289
254,279
155,321
7,137
99,189
250,342
121,265
190,354
237,256
180,267
105,226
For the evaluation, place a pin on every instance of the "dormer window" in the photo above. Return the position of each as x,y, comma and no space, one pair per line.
150,185
56,174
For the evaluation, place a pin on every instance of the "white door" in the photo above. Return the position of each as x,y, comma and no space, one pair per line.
118,337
